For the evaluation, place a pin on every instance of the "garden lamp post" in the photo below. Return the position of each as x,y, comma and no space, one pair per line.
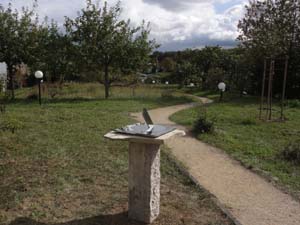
39,76
222,88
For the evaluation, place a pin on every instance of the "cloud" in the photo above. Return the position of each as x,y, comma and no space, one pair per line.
175,5
175,24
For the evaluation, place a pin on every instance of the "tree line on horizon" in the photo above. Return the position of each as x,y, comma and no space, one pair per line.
99,46
269,30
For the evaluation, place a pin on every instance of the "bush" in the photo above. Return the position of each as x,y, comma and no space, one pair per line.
248,121
295,103
203,125
291,152
10,124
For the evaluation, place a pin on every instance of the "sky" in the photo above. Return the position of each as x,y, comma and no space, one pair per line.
175,24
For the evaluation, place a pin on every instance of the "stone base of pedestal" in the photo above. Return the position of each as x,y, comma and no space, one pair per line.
144,181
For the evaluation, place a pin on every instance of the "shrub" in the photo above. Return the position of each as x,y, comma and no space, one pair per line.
248,121
203,125
291,152
295,103
10,124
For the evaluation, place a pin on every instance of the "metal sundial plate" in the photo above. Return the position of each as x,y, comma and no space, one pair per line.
151,131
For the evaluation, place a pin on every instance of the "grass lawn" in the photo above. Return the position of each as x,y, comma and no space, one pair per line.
255,143
56,167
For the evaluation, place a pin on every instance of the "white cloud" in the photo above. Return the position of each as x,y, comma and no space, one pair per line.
175,24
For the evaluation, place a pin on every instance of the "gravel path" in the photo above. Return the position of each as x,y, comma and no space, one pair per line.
250,199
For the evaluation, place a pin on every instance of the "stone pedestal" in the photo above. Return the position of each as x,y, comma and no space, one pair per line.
144,174
144,181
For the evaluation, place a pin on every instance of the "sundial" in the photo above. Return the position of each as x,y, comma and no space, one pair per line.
144,165
145,130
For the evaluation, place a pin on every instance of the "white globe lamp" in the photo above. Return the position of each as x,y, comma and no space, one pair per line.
222,86
39,75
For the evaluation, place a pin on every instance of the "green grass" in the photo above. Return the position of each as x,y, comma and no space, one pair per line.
255,143
56,166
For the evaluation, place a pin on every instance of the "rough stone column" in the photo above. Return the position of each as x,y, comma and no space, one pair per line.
144,181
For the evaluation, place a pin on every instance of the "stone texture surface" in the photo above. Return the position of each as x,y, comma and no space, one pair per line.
144,181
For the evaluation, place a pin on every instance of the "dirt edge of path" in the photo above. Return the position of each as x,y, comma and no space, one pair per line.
185,172
222,206
268,177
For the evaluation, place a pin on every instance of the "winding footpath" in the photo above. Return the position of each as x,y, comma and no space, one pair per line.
249,198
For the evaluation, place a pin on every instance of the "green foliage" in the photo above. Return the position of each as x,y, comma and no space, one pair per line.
56,55
270,27
215,76
203,125
291,152
15,39
168,64
109,44
294,103
249,121
10,124
208,66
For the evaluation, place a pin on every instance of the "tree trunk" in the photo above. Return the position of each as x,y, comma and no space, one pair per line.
106,81
11,81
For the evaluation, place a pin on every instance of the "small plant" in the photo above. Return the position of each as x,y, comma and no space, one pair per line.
291,152
10,124
249,121
202,124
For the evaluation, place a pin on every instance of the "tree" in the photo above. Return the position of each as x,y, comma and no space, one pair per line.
206,59
271,28
54,53
108,44
15,39
168,64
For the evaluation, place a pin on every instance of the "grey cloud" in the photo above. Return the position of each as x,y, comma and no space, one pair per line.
174,5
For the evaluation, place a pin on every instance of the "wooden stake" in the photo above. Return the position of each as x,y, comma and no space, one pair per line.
263,89
271,87
284,86
269,91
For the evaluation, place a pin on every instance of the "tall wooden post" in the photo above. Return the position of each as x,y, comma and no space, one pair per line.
263,89
269,91
284,86
271,88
